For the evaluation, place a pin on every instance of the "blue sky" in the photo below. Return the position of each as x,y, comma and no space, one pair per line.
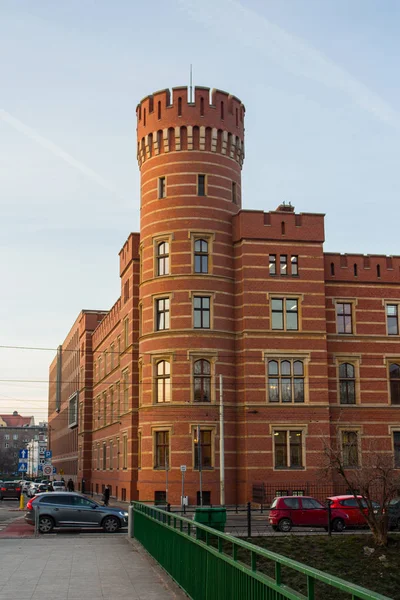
320,84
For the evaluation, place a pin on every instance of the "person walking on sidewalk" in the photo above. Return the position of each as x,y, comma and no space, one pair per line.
70,485
106,495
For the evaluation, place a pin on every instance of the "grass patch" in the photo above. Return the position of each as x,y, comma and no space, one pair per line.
342,556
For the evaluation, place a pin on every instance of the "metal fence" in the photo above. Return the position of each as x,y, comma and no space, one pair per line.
209,565
263,493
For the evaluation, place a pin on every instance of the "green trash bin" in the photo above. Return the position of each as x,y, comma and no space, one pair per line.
214,517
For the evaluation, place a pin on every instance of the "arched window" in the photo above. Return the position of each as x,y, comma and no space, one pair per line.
378,270
201,256
144,117
286,380
202,381
163,381
163,259
347,383
355,270
159,110
202,107
179,107
394,375
332,268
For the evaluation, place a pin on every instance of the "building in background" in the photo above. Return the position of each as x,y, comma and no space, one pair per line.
16,432
70,386
307,343
36,455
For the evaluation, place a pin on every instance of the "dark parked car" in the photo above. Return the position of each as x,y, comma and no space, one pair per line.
303,511
71,509
10,489
394,513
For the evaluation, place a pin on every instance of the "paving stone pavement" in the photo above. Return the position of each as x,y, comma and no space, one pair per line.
72,568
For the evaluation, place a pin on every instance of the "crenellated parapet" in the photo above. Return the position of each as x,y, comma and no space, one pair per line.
106,325
362,267
211,123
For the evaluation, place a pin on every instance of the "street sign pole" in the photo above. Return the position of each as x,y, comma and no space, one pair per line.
183,471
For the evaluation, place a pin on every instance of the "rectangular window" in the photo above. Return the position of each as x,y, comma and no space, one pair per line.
125,377
286,380
201,185
15,436
112,352
111,405
201,306
201,256
272,264
288,449
73,411
392,319
234,195
161,454
125,452
104,457
396,445
285,314
7,436
350,448
162,258
139,450
118,397
202,453
162,191
126,333
104,409
162,314
111,456
295,265
347,383
283,264
344,317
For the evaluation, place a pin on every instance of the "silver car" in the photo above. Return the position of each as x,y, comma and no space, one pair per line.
71,509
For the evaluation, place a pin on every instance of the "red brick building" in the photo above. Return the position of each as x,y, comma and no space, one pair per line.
307,343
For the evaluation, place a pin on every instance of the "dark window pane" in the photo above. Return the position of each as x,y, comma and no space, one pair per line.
197,264
395,392
201,182
293,503
394,371
392,325
299,390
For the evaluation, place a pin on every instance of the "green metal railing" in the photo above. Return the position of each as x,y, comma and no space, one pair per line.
225,568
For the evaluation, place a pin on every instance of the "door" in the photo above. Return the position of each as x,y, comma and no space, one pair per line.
291,508
57,506
313,513
85,512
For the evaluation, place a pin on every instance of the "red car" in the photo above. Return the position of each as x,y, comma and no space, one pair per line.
350,506
303,511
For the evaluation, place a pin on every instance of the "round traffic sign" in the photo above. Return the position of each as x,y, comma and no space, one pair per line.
47,470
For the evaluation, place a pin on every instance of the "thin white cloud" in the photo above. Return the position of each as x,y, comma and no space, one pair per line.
242,26
59,152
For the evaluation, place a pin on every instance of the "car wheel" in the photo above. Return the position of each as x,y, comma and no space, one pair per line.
285,525
338,525
111,524
46,524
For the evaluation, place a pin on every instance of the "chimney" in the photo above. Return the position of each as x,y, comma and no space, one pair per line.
285,208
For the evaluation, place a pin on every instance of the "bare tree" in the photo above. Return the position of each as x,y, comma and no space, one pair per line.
374,482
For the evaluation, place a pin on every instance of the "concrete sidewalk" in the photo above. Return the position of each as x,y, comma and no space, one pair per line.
72,568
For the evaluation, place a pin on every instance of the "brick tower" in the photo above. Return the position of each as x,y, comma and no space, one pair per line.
190,155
